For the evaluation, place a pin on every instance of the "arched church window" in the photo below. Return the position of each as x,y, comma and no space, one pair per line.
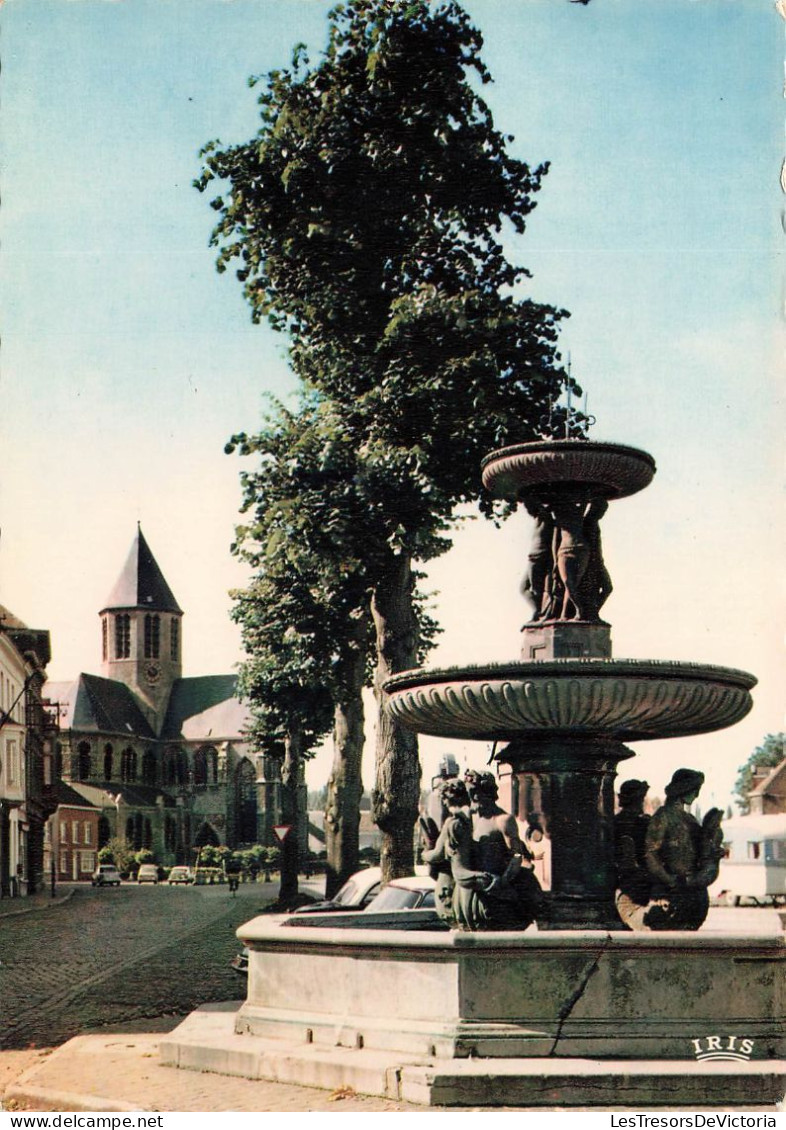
152,636
107,762
246,802
206,836
174,639
200,768
84,766
128,764
149,768
104,831
122,636
104,639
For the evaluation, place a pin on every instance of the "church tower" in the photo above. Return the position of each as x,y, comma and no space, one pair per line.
141,638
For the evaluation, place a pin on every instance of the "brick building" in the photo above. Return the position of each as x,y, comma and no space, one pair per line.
72,835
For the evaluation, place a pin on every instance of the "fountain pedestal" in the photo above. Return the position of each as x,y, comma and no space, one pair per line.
565,639
567,786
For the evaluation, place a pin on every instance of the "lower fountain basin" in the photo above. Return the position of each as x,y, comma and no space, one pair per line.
628,699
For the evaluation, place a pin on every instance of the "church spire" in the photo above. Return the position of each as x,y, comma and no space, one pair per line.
141,637
141,583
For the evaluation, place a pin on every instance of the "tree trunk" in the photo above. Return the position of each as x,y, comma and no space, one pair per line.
396,794
345,787
290,853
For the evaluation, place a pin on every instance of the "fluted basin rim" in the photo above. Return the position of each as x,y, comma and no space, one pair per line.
616,469
630,699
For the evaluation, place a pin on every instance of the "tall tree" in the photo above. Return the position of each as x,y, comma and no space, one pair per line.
309,525
366,219
766,756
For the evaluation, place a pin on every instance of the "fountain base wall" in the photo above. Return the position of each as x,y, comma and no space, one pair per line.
500,1019
603,995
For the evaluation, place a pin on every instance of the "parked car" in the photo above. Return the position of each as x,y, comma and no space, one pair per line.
181,875
147,873
389,910
409,893
106,875
356,894
240,962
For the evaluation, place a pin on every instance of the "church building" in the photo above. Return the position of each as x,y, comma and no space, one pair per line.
164,758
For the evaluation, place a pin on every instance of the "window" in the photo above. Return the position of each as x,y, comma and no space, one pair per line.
63,832
754,850
87,861
104,639
107,762
128,765
12,762
122,636
88,833
152,636
74,831
63,862
174,639
84,765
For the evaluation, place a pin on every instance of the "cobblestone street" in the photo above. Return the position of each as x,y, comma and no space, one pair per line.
112,956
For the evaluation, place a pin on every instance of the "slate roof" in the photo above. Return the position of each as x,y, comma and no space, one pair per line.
133,794
26,639
99,705
204,707
766,784
65,795
141,584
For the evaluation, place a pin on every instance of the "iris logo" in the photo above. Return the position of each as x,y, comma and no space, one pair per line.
722,1047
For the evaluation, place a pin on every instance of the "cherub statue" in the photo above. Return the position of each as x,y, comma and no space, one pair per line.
682,856
490,884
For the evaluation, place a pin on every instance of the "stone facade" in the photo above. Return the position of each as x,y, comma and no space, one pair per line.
27,775
165,758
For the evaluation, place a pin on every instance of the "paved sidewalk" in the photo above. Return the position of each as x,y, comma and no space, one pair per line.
121,1072
43,900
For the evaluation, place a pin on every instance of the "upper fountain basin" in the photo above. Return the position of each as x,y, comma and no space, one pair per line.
628,699
606,470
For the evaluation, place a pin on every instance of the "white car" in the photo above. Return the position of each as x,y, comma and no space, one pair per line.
106,875
356,894
180,875
409,893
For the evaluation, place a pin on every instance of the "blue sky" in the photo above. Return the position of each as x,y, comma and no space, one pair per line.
127,361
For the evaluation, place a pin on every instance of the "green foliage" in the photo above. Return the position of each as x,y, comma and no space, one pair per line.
117,851
144,856
211,856
366,220
766,756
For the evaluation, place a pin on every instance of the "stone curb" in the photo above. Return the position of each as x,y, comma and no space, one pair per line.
36,906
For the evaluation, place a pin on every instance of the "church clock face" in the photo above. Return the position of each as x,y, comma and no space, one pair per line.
152,673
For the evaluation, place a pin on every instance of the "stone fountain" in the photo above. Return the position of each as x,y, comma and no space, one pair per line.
578,1011
566,708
